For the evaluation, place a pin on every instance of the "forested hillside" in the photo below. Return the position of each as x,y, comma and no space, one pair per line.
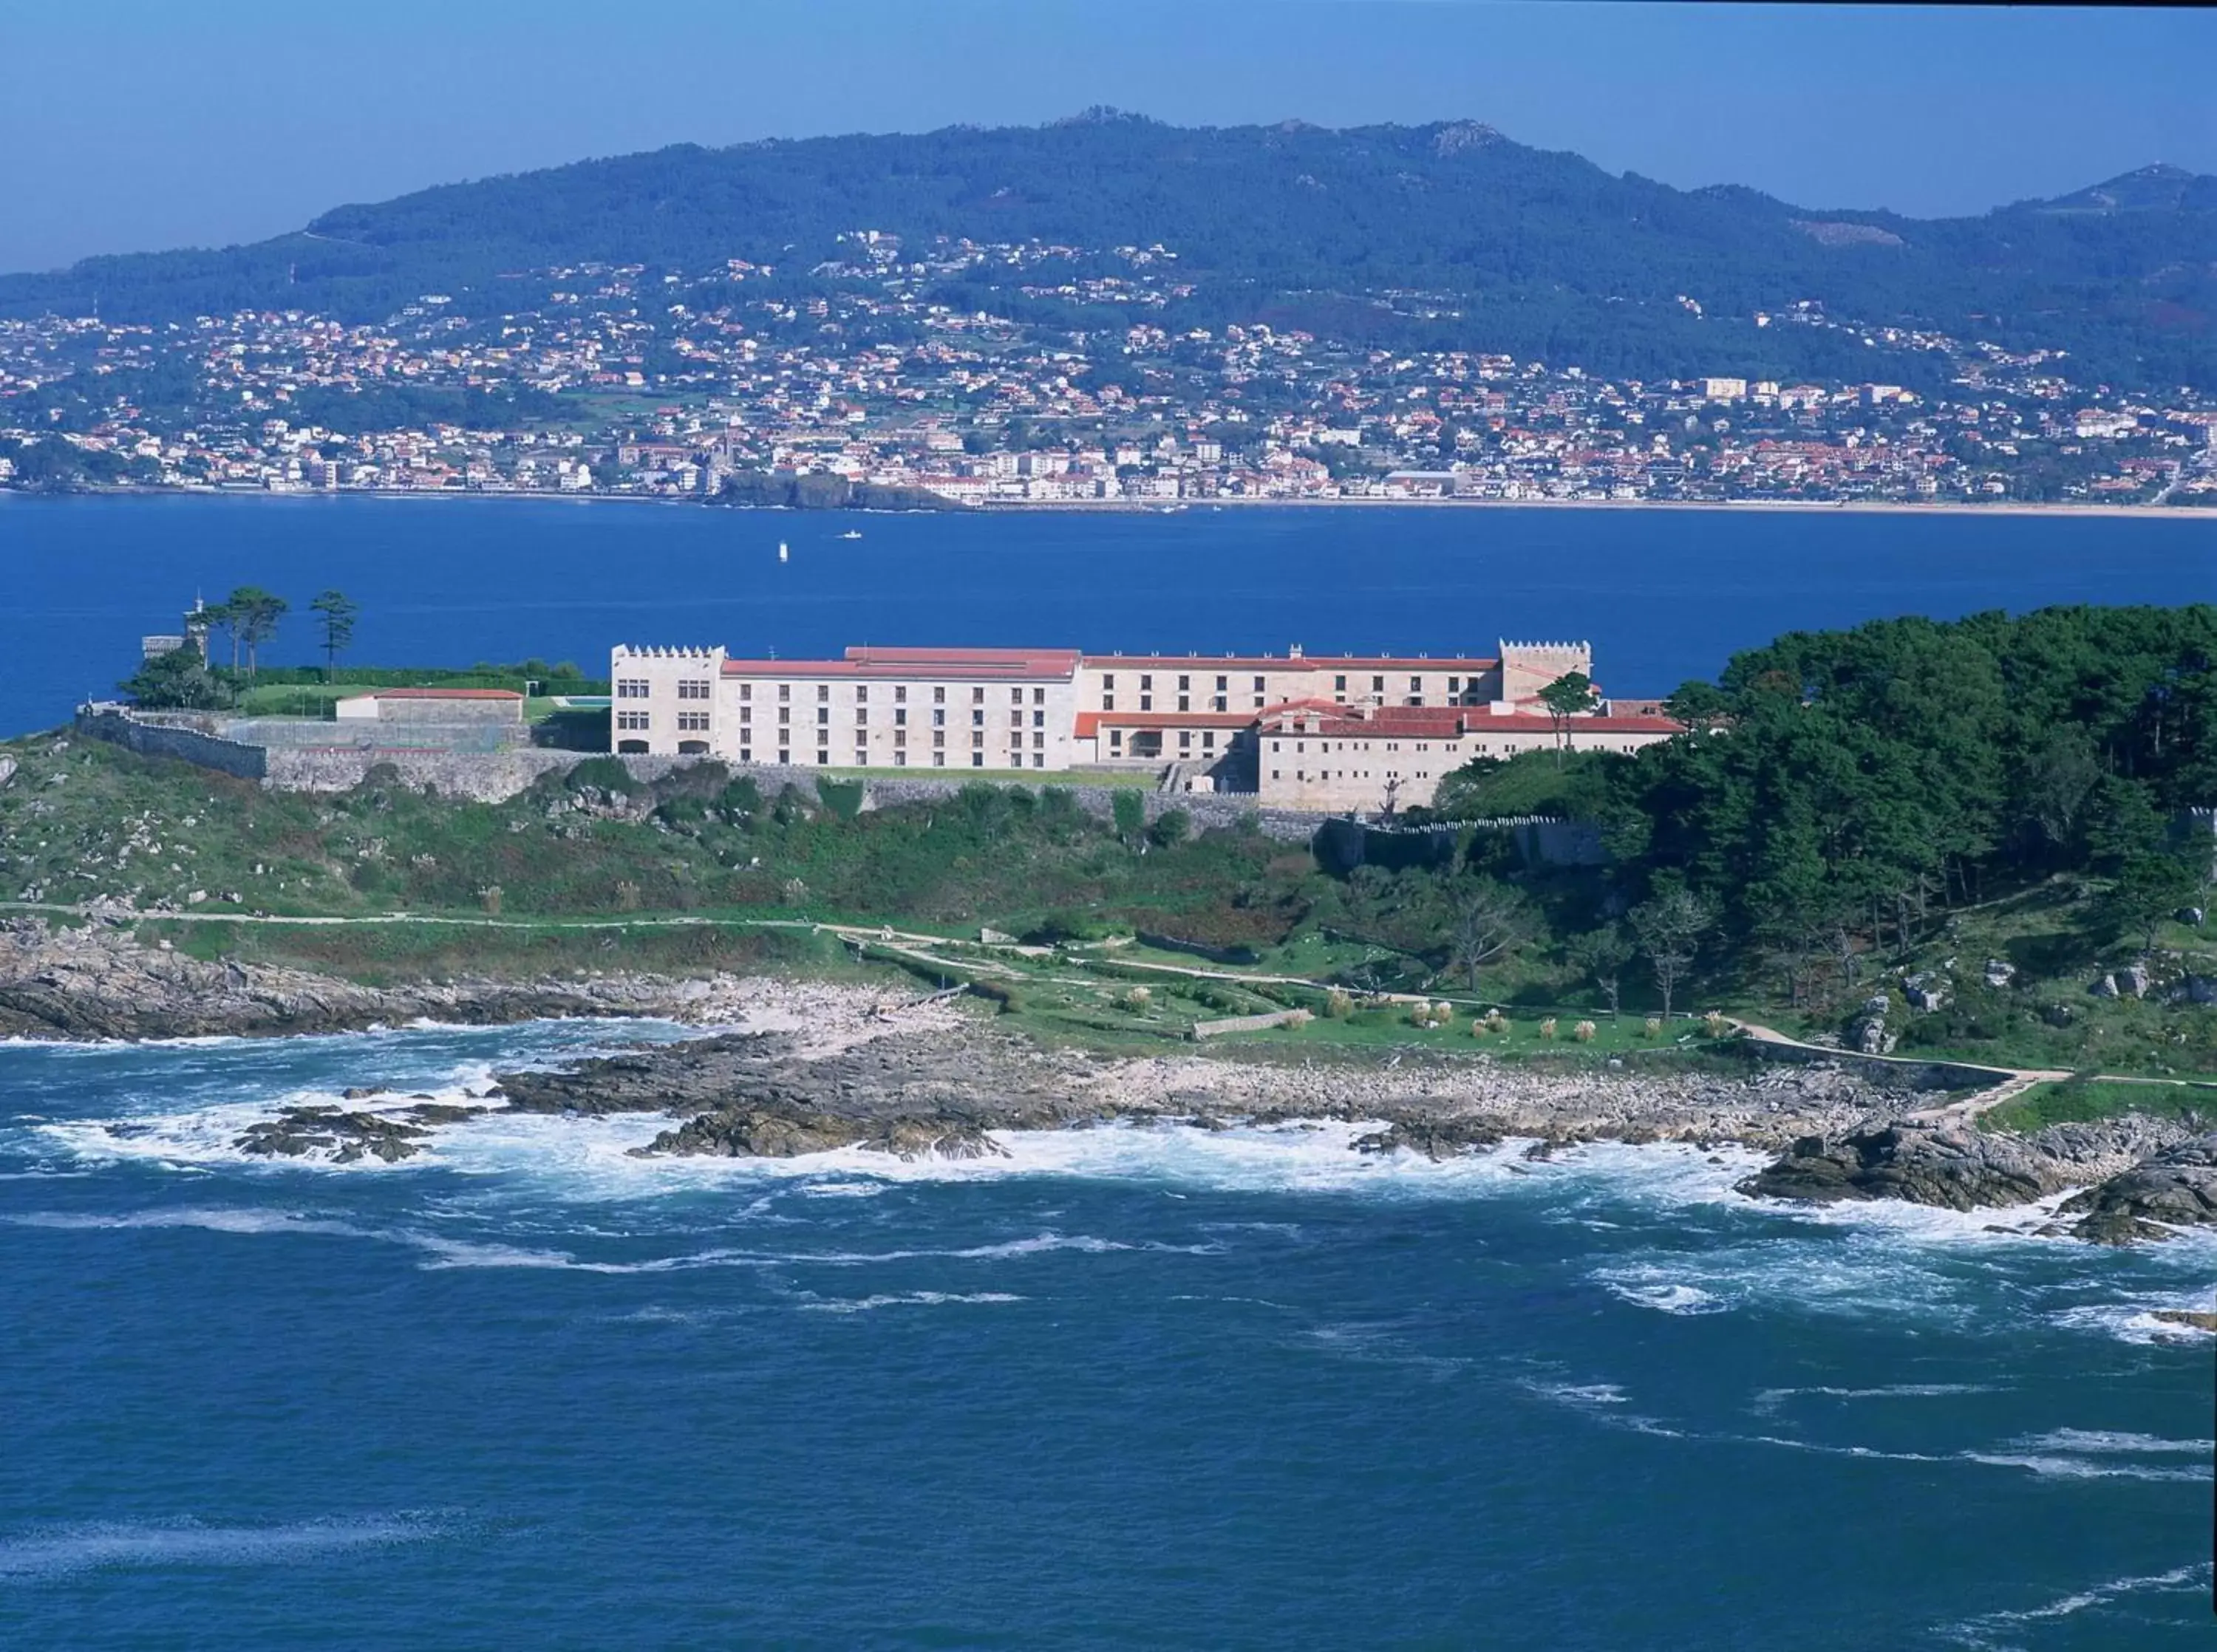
1448,236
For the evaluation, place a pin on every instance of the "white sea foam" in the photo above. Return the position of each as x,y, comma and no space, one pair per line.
2049,1467
2135,1321
2103,1440
904,1299
1977,1633
1581,1394
61,1551
1770,1399
1669,1296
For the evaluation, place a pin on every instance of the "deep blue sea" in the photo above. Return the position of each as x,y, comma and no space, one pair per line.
1663,595
1129,1388
1145,1388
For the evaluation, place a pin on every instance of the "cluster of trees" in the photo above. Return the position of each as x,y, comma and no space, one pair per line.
1838,793
188,679
1537,253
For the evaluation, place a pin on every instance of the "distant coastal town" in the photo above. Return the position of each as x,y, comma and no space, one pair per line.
861,385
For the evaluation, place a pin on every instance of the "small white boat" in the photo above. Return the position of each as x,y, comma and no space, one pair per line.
783,554
852,534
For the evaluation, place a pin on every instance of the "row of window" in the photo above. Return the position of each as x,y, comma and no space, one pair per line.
641,687
900,758
900,695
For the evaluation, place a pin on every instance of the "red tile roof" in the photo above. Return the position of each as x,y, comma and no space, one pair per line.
1280,662
1042,664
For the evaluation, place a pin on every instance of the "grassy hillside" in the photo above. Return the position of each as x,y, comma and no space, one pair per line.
1504,247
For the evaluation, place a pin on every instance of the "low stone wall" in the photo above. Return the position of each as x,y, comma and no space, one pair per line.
495,776
180,740
1251,1023
1885,1069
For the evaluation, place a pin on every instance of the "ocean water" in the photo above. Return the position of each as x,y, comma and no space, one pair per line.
1128,1387
1663,595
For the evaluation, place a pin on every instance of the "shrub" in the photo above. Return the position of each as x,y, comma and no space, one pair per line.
605,774
1652,1028
1137,997
741,797
1170,828
1716,1024
1584,1031
1338,1004
488,897
1129,813
1547,1027
843,798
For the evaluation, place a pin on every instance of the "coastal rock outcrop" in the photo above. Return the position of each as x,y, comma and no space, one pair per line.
2176,1189
1923,1164
97,981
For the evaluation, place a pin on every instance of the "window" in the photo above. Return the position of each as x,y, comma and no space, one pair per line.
977,719
939,737
900,760
900,718
1146,680
1258,702
1185,701
784,691
939,696
1016,695
1108,702
1039,696
1038,761
861,716
693,688
977,759
1340,683
1185,739
746,714
630,719
823,691
1208,743
977,696
823,757
1185,682
784,755
1221,685
823,715
1039,719
1258,684
900,736
938,718
631,688
785,714
939,760
978,739
1146,702
900,696
746,754
692,722
862,757
1219,702
1377,685
1039,739
1455,685
1115,738
1415,686
747,691
861,694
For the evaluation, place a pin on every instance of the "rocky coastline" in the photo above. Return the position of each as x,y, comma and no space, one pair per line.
819,1068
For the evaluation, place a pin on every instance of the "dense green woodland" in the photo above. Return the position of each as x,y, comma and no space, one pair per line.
1866,783
1540,254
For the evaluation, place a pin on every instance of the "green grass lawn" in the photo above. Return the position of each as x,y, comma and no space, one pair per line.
2080,1100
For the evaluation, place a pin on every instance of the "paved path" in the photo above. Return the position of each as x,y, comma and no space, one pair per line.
2009,1082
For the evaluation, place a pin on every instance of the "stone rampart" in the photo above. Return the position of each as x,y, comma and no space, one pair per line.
153,737
495,776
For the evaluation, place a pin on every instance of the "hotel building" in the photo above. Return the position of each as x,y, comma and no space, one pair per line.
1295,731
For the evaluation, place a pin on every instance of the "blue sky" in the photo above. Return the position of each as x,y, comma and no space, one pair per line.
129,125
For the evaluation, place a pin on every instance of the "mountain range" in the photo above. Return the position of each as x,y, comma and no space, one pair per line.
1444,234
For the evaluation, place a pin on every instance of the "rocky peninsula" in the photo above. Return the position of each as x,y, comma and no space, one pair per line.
814,1066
